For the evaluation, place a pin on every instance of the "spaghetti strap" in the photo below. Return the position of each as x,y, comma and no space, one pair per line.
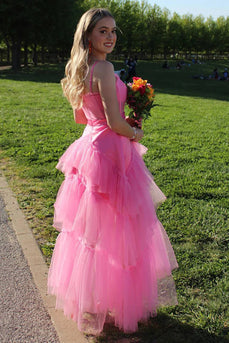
91,76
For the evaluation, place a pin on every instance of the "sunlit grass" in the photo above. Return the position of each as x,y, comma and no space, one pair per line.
187,138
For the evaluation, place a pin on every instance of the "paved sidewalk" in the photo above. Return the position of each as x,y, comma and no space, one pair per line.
27,313
24,317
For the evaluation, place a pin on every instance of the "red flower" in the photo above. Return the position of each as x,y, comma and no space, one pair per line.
136,78
142,89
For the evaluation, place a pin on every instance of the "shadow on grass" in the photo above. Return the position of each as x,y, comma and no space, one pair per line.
162,329
172,81
183,82
50,73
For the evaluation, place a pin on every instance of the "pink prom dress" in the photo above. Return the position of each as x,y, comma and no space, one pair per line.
112,259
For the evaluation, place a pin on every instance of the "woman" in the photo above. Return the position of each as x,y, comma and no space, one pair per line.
112,259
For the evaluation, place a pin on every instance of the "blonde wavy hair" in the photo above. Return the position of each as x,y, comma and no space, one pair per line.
77,68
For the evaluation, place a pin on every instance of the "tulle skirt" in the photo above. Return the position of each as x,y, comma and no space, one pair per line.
112,259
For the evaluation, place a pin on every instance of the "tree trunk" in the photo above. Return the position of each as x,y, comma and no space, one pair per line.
151,53
8,50
16,55
25,55
35,54
42,55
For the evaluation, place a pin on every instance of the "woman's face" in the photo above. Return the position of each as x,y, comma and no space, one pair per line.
103,37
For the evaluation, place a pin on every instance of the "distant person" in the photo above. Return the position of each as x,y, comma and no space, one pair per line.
178,66
121,73
215,74
126,60
131,69
225,75
165,65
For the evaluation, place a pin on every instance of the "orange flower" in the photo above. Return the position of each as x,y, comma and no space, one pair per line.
135,87
137,83
151,93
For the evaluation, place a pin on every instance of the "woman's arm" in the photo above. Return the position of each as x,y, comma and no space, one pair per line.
105,78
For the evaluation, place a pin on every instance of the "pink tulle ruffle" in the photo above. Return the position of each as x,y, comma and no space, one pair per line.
113,257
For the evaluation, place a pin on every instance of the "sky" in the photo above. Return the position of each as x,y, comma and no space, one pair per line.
207,8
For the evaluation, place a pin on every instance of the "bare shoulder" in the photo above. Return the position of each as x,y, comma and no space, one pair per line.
104,69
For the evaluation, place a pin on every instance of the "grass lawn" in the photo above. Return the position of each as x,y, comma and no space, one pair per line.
187,138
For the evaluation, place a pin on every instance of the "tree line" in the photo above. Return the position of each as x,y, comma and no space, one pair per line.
44,29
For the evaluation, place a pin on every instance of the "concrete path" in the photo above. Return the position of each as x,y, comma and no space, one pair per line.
27,313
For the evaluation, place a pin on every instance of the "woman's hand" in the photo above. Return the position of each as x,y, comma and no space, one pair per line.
138,135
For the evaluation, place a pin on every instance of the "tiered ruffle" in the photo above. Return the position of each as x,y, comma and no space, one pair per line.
112,256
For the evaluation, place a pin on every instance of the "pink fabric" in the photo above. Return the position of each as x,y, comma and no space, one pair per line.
112,259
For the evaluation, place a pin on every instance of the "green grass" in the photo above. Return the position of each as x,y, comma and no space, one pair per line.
188,155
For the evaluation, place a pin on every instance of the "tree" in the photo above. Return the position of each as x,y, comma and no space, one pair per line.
199,35
212,34
156,28
15,23
188,26
41,23
46,26
174,34
222,35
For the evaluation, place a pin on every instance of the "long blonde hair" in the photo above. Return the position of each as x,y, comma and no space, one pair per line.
77,68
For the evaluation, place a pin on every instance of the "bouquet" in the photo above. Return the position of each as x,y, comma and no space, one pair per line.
140,98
